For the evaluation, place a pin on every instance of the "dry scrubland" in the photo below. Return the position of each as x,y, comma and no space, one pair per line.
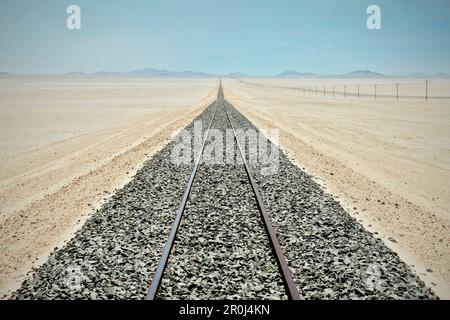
387,161
67,142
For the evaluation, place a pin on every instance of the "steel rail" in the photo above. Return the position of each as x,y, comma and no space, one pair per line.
288,281
156,282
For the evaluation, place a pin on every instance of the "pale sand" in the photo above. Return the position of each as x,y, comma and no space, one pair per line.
67,143
388,162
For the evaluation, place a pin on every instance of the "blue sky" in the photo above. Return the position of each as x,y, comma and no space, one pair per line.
251,36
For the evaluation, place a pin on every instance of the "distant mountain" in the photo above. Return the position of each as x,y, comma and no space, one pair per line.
358,74
238,75
3,73
415,75
107,73
294,74
421,75
188,73
149,72
75,73
361,74
289,74
441,75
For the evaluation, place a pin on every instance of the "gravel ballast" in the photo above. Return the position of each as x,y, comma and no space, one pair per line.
222,250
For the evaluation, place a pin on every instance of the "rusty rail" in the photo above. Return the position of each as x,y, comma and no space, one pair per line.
286,274
288,281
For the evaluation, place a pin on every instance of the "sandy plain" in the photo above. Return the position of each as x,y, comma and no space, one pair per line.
66,143
387,162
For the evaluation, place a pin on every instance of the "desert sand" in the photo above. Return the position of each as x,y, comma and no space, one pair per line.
387,162
66,143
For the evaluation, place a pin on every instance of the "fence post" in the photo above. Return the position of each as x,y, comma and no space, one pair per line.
397,90
375,92
426,90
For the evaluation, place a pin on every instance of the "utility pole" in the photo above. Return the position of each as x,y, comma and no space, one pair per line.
426,90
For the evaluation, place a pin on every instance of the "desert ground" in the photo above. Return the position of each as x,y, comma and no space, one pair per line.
66,143
387,162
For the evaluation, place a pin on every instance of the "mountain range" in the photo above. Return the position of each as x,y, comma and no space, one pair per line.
149,72
362,74
295,74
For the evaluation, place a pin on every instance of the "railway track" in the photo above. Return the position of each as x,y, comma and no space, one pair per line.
286,275
221,244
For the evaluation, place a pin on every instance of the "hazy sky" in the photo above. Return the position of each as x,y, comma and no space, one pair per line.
251,36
